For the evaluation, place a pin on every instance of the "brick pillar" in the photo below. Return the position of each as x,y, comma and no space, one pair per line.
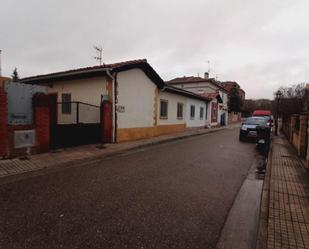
42,121
308,145
106,122
292,127
3,123
302,135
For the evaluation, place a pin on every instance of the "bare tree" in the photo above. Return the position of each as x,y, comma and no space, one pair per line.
293,99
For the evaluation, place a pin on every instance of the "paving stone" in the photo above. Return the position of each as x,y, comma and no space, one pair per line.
288,210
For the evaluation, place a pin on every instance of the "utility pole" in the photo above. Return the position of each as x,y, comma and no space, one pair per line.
99,54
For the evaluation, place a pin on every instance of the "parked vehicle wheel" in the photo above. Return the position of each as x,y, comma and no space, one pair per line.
241,138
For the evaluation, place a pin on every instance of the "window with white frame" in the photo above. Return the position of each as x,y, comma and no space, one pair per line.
180,110
163,109
201,112
66,105
192,112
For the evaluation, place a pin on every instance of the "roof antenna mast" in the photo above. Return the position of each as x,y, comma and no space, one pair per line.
99,51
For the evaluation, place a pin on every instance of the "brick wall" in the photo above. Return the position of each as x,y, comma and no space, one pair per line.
42,128
41,105
106,122
297,134
308,146
302,150
3,122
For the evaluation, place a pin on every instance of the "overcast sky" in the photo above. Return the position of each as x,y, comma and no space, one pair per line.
261,44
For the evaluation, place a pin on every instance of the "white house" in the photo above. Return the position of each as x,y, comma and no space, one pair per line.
209,88
142,104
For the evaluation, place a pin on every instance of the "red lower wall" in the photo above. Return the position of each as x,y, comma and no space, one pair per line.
42,128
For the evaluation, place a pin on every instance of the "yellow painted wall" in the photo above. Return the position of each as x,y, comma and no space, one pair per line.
131,134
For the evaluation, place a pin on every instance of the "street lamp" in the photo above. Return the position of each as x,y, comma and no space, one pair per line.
278,95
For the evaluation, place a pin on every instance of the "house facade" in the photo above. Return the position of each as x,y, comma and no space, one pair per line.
210,89
142,105
228,85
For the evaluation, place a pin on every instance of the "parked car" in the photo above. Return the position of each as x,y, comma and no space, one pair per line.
249,128
263,138
264,113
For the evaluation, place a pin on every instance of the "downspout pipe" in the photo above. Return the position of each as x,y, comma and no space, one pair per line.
113,105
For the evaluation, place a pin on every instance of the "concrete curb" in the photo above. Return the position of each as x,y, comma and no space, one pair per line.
264,206
93,159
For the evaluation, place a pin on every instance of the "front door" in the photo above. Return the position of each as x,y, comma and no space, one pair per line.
214,112
222,119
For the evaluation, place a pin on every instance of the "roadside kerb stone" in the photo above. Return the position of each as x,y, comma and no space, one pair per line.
263,220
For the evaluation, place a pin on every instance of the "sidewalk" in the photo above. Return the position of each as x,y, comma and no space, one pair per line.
88,153
284,218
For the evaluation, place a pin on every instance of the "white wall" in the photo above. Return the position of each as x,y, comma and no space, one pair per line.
224,107
196,121
85,90
172,99
136,93
198,87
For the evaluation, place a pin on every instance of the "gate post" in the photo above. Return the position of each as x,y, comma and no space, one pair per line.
41,120
106,122
303,135
3,122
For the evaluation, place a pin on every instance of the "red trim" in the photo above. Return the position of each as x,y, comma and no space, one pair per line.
261,113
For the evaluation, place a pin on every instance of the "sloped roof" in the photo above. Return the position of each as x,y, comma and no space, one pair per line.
95,71
228,85
193,79
183,92
212,96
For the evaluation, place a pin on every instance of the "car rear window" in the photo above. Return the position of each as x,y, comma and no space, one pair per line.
256,121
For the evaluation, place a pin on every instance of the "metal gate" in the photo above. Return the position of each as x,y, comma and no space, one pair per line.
74,123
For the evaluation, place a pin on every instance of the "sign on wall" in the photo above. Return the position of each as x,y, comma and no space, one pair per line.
19,98
24,138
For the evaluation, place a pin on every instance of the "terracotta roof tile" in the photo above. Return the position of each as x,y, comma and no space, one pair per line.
210,95
193,79
113,66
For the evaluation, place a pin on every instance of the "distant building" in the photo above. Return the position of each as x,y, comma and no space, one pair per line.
228,85
210,88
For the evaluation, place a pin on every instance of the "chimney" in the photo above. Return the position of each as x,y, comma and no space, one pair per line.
206,75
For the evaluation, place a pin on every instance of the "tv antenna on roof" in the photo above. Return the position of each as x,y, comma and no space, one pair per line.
208,63
99,50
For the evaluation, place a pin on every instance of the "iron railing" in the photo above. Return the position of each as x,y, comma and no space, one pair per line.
77,112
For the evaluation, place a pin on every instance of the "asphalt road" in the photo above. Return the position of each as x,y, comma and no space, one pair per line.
174,195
